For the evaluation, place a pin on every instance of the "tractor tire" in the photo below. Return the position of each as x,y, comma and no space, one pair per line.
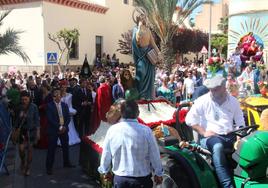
178,173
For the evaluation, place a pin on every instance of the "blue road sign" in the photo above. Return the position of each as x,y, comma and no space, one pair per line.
52,58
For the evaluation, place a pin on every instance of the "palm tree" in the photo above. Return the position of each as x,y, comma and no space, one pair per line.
161,14
9,41
223,25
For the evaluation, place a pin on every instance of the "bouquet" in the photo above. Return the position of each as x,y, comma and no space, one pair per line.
214,65
263,87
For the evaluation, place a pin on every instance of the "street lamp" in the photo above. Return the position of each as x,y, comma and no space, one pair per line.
209,33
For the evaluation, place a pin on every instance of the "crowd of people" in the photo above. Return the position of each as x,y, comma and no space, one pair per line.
62,108
81,105
88,100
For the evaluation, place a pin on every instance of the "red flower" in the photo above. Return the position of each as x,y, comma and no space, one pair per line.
210,61
182,115
217,59
260,83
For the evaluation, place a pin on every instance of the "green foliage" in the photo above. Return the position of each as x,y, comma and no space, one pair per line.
220,42
9,41
64,40
68,35
188,40
160,15
223,25
191,22
125,44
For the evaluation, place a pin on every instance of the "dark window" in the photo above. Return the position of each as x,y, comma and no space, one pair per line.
126,2
74,54
98,45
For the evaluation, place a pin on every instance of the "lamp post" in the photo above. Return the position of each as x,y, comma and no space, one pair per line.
209,33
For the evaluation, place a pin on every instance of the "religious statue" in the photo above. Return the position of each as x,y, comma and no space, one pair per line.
142,43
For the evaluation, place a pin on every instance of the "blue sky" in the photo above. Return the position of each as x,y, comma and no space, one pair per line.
200,8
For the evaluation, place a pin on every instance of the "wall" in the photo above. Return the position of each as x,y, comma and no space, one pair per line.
118,21
246,5
40,18
219,10
111,25
250,17
27,18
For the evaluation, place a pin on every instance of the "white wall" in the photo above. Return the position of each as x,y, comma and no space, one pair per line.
28,19
118,21
246,5
99,2
110,25
40,18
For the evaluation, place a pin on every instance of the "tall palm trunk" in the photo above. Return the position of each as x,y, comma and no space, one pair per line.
168,55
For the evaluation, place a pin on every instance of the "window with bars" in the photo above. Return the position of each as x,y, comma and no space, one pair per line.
74,54
99,40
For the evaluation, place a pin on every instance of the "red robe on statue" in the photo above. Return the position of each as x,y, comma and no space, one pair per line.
103,103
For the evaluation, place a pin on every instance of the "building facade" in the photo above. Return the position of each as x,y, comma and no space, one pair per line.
218,11
251,16
100,27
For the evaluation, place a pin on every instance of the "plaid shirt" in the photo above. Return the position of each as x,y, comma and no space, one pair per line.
132,150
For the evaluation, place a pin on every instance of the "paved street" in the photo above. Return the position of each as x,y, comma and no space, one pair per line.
61,178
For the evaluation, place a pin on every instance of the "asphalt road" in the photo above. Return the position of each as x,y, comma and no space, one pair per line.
61,178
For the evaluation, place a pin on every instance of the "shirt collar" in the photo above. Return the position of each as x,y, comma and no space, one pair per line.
129,120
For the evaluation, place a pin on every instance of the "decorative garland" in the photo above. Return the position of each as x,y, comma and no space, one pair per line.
99,149
95,146
182,115
215,65
156,123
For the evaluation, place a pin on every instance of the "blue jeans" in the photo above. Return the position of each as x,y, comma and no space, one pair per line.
217,146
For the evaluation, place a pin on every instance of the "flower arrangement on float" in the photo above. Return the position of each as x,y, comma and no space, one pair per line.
263,87
215,66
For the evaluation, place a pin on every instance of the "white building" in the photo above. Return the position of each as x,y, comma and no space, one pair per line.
100,27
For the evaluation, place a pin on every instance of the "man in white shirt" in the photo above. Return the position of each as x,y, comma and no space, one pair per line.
132,150
188,86
213,116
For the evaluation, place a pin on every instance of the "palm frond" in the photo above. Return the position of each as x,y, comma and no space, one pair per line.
161,15
9,43
3,15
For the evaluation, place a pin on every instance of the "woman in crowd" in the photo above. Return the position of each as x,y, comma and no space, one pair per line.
118,90
67,98
165,91
46,98
246,80
128,84
29,123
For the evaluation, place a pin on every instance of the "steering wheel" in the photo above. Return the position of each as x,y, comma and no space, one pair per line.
244,131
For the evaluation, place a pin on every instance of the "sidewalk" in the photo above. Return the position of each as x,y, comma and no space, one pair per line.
61,178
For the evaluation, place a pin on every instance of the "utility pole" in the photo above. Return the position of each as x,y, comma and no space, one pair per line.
209,34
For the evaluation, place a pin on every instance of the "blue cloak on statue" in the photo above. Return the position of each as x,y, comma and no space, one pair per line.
145,71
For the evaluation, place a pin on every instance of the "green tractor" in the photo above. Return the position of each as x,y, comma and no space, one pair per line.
189,165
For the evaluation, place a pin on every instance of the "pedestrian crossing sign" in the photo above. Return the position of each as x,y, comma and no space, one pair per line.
52,58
